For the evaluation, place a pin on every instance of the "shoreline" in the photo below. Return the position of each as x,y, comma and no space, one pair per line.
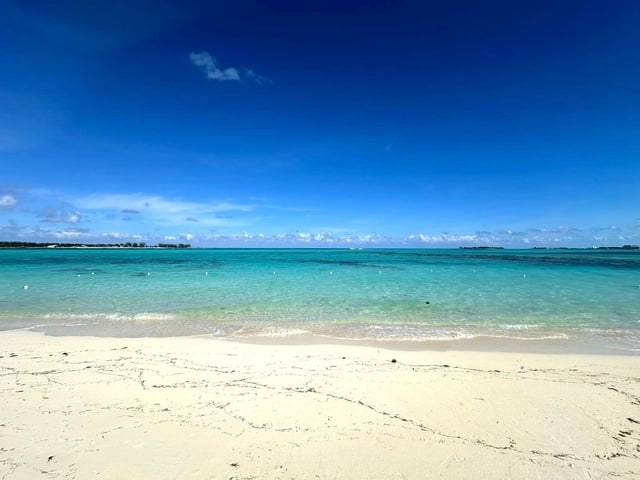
194,407
541,341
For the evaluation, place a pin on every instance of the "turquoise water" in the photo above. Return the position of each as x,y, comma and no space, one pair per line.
365,294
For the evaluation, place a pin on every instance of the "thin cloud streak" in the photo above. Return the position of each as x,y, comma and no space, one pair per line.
143,203
161,210
208,64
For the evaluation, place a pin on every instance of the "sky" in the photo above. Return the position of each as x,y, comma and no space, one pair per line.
321,123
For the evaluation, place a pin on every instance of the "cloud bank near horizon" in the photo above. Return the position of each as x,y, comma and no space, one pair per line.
44,215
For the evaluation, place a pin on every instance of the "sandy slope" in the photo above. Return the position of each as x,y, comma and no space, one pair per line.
165,408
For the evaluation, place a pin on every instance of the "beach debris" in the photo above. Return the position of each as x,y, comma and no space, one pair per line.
65,354
633,420
234,464
446,366
344,358
50,458
393,360
13,355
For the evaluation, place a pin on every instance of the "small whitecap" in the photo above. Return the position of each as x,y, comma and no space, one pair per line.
25,287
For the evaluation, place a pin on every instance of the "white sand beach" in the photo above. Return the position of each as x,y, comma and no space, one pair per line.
201,408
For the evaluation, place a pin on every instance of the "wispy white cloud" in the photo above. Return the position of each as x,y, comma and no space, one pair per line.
60,214
8,202
160,210
141,203
209,66
259,79
71,233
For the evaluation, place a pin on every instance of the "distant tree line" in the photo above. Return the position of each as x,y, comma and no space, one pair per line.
11,244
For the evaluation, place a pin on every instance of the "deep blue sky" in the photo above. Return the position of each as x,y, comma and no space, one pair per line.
321,123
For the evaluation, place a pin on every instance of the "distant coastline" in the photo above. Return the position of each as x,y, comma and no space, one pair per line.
142,245
90,245
623,247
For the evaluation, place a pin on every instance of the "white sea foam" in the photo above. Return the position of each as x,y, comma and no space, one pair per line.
143,316
269,331
520,326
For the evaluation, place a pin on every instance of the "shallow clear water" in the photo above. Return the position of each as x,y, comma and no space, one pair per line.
380,294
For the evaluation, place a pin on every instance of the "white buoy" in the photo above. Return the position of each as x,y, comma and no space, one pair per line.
274,273
25,287
93,273
206,273
524,276
78,275
148,273
330,273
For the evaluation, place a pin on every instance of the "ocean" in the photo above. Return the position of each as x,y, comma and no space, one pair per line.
589,296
